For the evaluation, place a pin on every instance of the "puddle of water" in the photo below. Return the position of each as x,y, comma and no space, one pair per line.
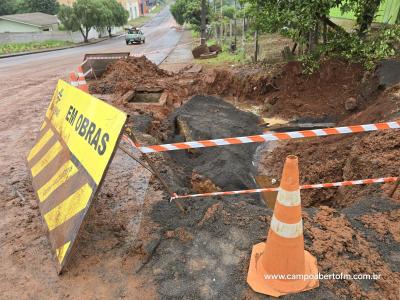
146,97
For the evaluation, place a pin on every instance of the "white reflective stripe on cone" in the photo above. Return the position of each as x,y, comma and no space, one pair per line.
286,230
286,198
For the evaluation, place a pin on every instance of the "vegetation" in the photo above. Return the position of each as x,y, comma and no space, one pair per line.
113,14
87,14
9,7
8,48
139,22
225,57
189,11
305,22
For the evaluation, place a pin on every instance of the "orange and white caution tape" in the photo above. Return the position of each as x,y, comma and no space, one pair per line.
127,139
302,187
271,137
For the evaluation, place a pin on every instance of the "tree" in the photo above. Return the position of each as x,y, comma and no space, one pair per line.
365,12
113,15
50,7
178,10
83,16
189,11
8,7
203,22
68,18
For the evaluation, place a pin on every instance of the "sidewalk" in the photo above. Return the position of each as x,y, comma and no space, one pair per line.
181,56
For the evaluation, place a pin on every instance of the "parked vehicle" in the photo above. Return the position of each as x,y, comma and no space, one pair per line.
135,35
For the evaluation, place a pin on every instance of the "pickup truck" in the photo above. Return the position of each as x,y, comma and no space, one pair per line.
134,36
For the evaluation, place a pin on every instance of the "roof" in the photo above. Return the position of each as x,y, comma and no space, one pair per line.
37,19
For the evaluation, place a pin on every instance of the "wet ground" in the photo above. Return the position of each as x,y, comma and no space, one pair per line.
27,270
138,245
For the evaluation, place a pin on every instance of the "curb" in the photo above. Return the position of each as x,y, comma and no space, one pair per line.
55,49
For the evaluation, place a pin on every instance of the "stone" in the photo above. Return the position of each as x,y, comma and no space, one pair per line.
351,104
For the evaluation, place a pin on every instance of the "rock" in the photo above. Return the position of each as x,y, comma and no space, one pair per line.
199,50
201,184
128,96
350,104
268,107
215,48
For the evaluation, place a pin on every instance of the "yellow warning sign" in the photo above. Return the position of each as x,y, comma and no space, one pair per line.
74,147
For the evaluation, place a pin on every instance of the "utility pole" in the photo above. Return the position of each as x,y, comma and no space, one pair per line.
203,22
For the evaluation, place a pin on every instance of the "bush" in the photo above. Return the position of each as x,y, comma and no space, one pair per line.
368,51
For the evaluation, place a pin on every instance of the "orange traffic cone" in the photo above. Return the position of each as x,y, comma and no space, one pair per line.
73,80
281,265
82,84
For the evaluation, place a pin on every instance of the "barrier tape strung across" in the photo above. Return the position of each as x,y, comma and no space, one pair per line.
271,137
303,187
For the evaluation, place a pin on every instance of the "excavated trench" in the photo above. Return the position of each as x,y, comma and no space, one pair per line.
268,101
206,250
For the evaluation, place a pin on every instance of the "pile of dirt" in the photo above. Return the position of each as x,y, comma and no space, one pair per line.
126,74
324,94
203,118
280,92
344,157
206,251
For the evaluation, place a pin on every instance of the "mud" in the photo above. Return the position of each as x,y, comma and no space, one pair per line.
340,158
321,95
209,118
127,74
206,250
209,255
136,244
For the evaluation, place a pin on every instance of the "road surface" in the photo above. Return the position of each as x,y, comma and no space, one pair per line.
27,82
26,86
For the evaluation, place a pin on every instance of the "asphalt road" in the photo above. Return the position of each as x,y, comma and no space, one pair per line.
27,84
33,69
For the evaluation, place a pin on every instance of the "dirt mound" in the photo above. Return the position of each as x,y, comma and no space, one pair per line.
336,91
125,74
213,261
339,158
204,118
320,95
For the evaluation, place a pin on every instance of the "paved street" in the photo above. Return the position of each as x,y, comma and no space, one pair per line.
27,82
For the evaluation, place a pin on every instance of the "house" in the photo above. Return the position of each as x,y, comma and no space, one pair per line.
132,6
30,22
136,8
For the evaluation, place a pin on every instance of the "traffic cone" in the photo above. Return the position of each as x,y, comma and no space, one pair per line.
73,80
82,84
277,265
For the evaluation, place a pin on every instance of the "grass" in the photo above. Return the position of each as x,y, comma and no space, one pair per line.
139,22
225,57
157,9
8,48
